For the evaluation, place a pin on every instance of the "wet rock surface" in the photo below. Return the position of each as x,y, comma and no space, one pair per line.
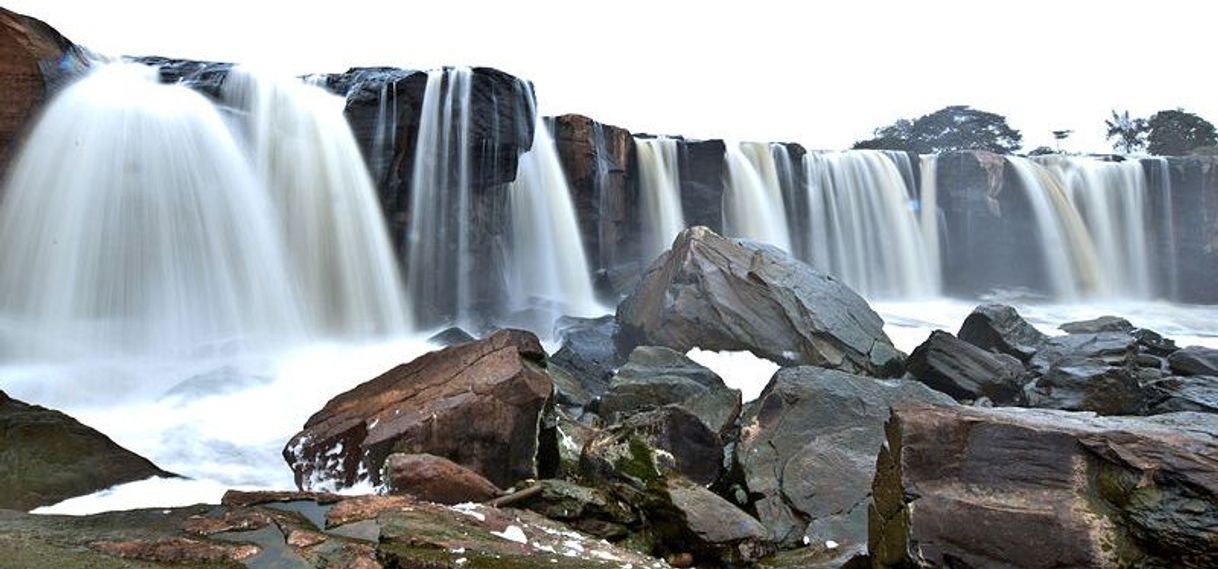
1000,328
657,376
435,479
953,485
807,452
285,530
717,293
966,372
47,457
478,404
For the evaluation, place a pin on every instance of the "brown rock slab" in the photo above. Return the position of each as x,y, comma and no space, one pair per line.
478,404
435,479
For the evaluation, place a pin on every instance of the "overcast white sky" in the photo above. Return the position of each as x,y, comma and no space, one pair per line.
823,74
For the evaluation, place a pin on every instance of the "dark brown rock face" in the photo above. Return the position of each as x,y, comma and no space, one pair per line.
32,55
598,160
435,479
807,452
478,404
701,169
717,293
968,487
47,457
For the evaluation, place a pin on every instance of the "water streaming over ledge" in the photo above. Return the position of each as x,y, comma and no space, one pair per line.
752,196
338,246
437,245
863,225
660,194
132,225
549,268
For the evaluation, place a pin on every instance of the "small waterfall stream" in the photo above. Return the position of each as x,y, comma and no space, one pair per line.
660,194
752,196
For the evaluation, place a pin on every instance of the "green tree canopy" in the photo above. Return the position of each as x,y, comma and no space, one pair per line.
1176,132
957,127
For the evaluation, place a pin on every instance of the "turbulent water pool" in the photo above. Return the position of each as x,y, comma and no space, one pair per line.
221,423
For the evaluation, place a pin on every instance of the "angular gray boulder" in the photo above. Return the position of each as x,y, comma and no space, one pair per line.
1194,360
966,372
718,293
999,328
807,452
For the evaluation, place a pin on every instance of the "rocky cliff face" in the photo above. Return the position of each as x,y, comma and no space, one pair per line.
1187,252
598,160
34,59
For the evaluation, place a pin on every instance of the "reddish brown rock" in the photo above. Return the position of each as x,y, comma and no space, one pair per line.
241,499
229,521
478,404
435,479
176,550
1009,487
27,48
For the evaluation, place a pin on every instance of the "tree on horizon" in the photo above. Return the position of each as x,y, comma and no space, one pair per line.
952,128
1129,133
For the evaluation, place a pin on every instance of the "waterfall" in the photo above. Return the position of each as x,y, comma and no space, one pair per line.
863,226
385,133
1071,263
930,218
660,189
1170,265
752,197
338,246
132,225
1111,198
438,242
549,268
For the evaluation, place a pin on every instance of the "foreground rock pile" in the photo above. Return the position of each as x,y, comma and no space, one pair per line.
995,446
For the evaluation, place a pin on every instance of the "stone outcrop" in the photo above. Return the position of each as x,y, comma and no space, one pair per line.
1186,252
435,479
1194,360
47,457
655,376
717,293
34,59
966,372
598,160
653,445
807,452
689,519
970,487
478,404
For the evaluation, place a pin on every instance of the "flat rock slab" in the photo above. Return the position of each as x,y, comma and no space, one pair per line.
1034,488
478,404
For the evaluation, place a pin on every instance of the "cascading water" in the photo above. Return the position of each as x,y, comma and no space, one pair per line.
132,225
930,218
752,197
863,228
338,247
660,189
439,263
549,269
1170,263
1111,198
1071,263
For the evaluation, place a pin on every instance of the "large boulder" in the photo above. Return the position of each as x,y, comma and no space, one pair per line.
717,293
655,376
999,328
1194,360
1183,393
969,487
586,359
807,452
478,404
47,457
966,372
34,60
